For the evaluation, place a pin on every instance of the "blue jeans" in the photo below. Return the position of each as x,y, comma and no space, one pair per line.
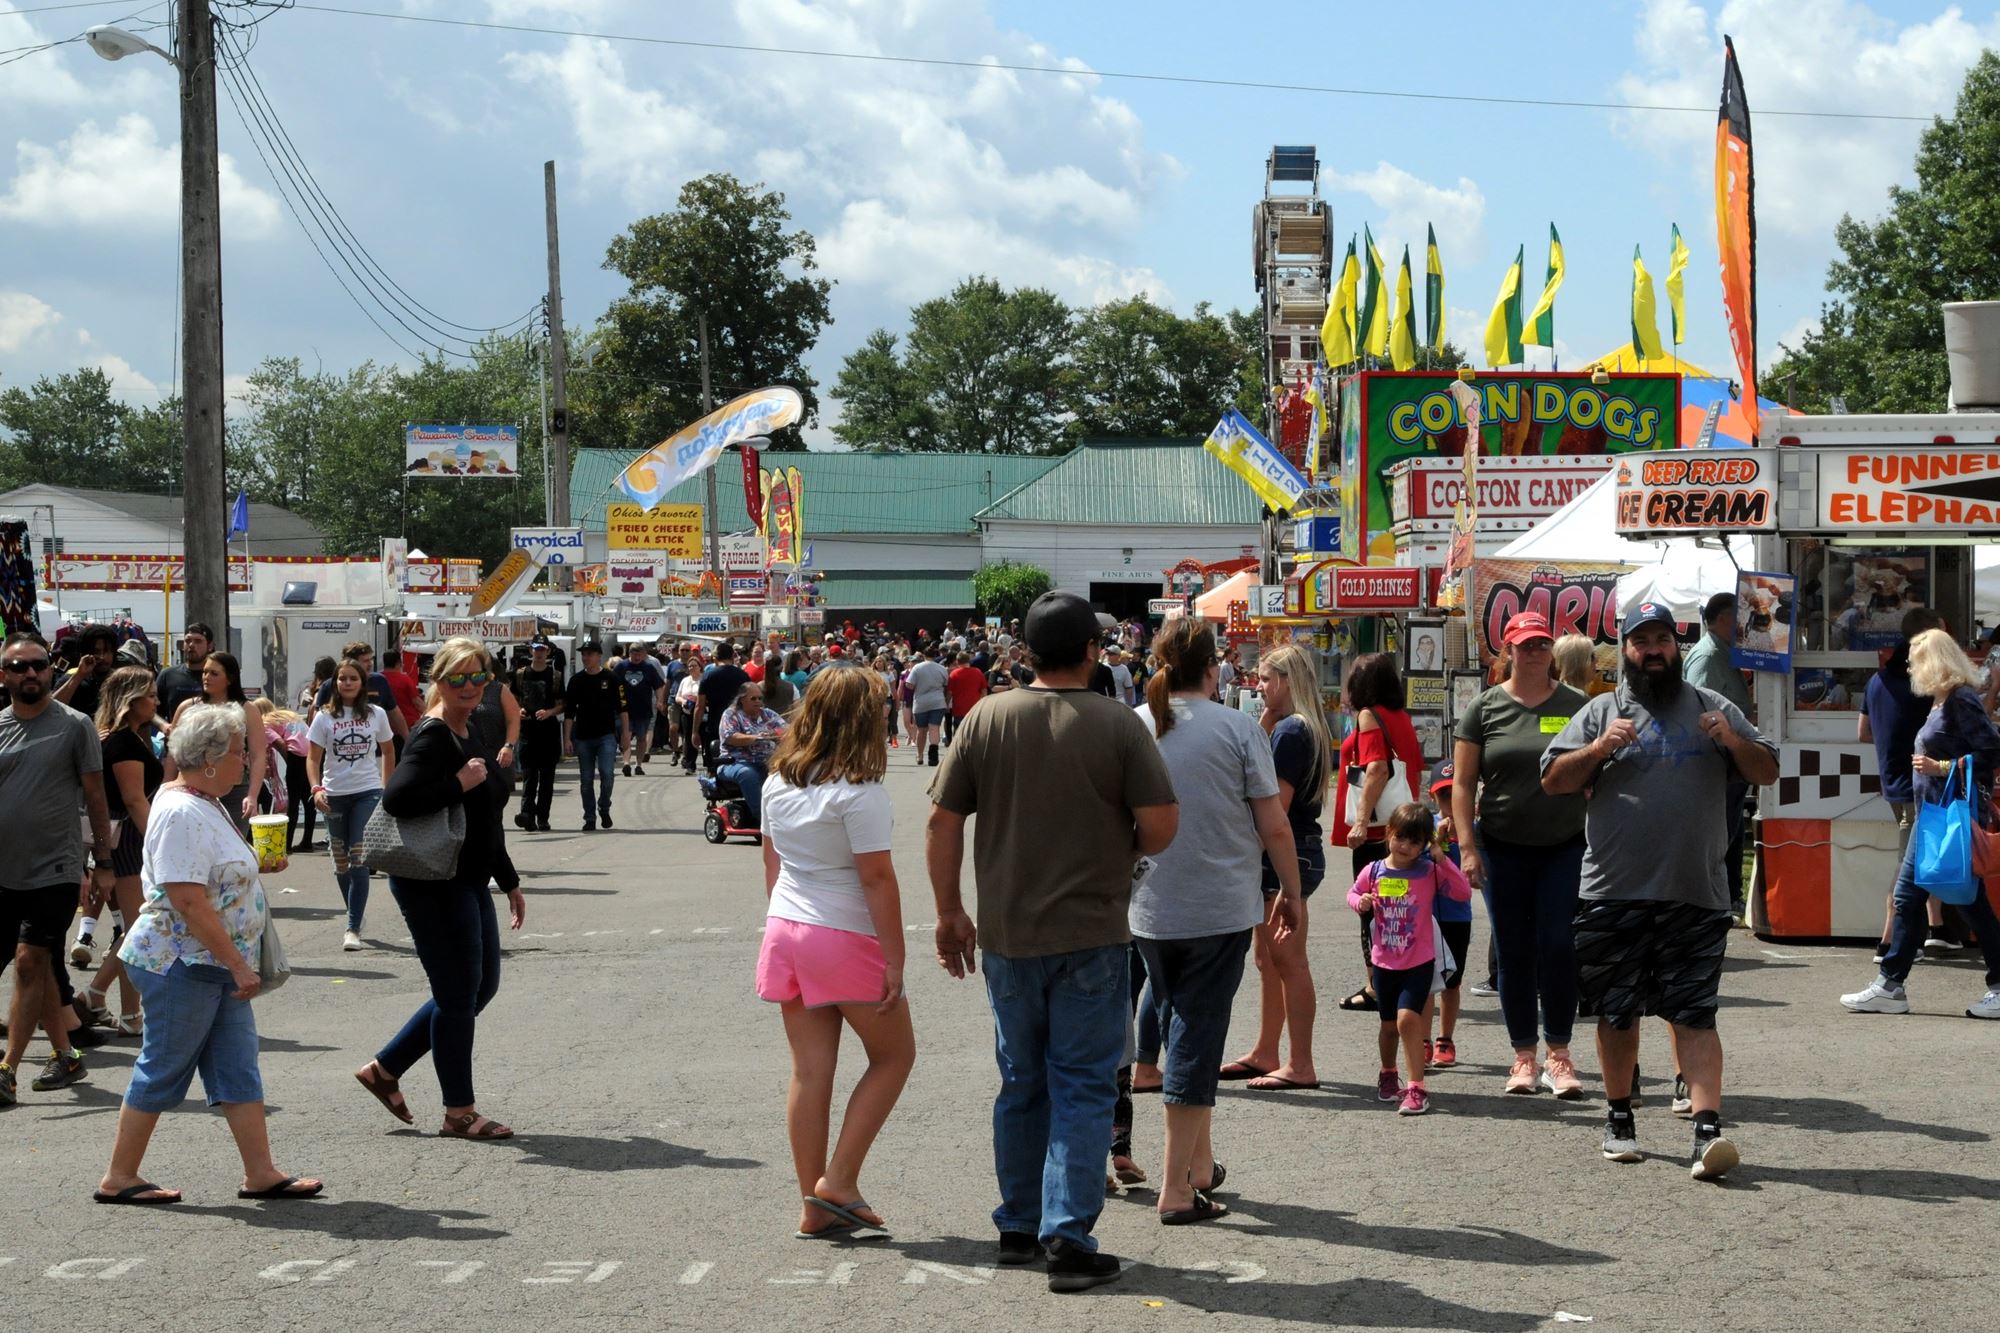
457,934
1194,983
749,780
193,1022
596,761
1906,936
346,817
1059,1034
1531,901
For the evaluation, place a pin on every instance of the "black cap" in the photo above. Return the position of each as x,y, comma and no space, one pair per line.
540,641
1060,626
590,646
1646,613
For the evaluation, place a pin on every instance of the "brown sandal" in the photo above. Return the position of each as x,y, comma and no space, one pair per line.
461,1127
376,1079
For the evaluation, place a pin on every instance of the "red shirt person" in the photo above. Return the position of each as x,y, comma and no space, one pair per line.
966,685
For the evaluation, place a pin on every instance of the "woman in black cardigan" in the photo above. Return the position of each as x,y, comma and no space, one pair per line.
451,921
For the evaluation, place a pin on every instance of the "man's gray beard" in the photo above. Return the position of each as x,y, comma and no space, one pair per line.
1650,692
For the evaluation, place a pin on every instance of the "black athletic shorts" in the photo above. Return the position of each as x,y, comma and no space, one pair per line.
1650,959
1457,938
38,918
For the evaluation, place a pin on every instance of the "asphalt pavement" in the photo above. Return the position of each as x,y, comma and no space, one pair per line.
650,1183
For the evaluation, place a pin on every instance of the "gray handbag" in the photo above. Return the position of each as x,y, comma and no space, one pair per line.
416,847
272,968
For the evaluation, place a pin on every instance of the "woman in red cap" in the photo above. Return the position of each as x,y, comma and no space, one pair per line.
1524,851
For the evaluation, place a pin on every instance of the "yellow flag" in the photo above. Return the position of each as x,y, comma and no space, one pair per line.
1539,328
1336,332
1503,326
1375,312
1645,315
1403,324
1677,262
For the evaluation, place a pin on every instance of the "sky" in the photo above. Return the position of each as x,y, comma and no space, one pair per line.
429,141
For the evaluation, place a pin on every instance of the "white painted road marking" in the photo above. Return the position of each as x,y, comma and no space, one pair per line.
459,1271
1223,1272
569,1270
923,1269
76,1270
694,1273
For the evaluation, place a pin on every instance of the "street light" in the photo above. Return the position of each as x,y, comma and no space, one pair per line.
116,43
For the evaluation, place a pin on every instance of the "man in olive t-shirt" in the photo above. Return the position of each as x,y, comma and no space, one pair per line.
1069,790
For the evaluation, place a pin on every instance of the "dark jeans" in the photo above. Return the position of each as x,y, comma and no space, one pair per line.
457,934
1059,1033
299,787
1194,982
1733,813
541,753
1906,936
1531,901
1147,1014
690,743
596,763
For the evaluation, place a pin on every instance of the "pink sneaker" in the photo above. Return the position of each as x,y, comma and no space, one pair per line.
1524,1077
1388,1087
1560,1077
1415,1100
1447,1053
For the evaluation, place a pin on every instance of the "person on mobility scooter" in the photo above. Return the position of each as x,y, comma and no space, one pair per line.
749,736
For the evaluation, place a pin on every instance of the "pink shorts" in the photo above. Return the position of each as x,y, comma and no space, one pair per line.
818,965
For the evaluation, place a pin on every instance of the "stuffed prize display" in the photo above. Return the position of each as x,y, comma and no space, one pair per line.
17,578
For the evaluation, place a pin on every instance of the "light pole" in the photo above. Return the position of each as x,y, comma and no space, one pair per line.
205,576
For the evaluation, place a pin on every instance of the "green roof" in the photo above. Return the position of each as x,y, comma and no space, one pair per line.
1133,483
886,589
843,492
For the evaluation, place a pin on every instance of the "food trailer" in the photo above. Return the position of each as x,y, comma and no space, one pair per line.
1857,519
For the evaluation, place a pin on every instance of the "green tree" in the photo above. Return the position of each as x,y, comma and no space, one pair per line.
1007,590
1143,372
725,251
879,404
1880,341
67,430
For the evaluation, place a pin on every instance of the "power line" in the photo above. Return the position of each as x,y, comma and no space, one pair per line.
1133,76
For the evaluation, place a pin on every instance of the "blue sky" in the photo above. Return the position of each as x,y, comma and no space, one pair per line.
430,140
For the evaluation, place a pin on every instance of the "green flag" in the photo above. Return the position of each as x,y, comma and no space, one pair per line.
1373,326
1433,293
1540,326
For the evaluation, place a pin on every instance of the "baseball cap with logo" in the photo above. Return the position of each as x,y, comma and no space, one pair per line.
1527,625
1441,778
1646,613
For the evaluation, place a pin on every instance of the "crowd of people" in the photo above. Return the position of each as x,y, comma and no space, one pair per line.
1193,837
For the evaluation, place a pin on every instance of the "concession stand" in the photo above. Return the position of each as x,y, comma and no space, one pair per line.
1856,520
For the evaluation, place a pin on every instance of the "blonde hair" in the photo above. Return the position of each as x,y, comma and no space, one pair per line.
1575,661
273,715
122,688
453,655
838,731
1299,666
1938,665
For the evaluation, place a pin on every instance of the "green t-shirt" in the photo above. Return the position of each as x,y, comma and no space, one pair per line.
1512,804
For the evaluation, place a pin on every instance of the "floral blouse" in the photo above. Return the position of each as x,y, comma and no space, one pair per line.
190,839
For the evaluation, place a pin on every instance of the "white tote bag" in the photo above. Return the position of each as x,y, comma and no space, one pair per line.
1396,791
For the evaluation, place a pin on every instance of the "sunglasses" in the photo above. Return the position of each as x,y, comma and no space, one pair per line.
461,678
22,668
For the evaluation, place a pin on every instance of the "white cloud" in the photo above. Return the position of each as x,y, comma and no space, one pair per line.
1791,337
126,382
22,318
43,77
1800,55
1410,203
123,176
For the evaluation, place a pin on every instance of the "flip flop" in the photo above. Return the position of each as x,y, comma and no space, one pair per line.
130,1195
1138,1091
1236,1069
1274,1083
848,1213
845,1231
282,1190
1205,1209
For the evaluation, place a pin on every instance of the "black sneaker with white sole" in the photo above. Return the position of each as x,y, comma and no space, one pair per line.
1018,1247
1714,1155
1072,1268
1621,1137
1683,1104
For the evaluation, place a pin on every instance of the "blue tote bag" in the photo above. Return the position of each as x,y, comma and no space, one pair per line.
1944,842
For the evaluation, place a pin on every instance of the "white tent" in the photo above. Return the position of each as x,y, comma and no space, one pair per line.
1683,572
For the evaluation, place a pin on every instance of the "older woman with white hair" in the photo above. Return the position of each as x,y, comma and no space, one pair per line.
1957,729
451,920
193,954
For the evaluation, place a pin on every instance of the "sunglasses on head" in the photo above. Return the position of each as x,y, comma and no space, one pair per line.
458,678
19,668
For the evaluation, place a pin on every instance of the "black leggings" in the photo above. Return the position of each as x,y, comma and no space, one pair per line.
298,787
1364,856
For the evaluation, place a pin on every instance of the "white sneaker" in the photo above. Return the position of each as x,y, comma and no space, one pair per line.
351,942
1986,1006
1880,998
1713,1158
79,954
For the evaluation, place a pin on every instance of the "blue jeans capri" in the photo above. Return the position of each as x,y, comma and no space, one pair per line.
193,1022
1194,982
929,717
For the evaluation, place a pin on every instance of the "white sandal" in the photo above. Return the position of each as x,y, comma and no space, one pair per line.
129,1025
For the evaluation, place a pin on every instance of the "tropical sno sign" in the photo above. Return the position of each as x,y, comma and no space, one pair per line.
492,453
1388,416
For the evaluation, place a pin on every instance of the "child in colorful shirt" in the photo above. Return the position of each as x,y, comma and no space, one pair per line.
1399,891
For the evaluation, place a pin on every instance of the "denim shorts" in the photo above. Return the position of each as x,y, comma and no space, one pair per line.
193,1022
1194,983
929,717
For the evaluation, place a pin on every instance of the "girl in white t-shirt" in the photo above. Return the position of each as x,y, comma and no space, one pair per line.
350,752
833,939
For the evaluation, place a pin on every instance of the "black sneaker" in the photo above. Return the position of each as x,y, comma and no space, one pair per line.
605,815
933,756
541,826
1714,1155
590,826
59,1072
1621,1138
523,822
639,769
626,769
1018,1247
1074,1269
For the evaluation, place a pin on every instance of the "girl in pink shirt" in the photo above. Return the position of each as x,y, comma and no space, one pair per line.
1398,892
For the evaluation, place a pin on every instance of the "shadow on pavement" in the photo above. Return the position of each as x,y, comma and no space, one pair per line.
285,1044
1467,1244
1831,1114
1355,1302
351,1219
584,1152
307,913
567,891
351,973
1884,1183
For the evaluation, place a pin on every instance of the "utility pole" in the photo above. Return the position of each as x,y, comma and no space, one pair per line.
555,444
708,474
205,521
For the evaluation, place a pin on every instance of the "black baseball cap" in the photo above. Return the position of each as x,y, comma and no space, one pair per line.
1647,613
540,641
590,646
1059,628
